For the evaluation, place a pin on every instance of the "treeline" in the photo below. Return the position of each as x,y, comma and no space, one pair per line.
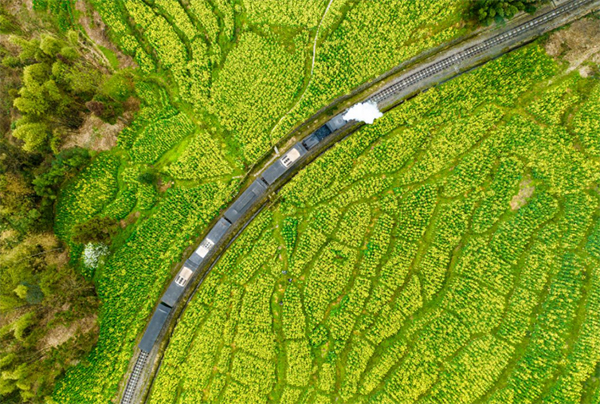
58,88
49,84
488,11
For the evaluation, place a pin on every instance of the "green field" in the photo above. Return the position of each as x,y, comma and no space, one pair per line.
449,253
205,68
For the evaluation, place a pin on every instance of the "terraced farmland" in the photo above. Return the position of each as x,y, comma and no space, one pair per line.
446,254
205,68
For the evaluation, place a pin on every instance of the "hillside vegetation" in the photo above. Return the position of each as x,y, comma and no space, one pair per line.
48,311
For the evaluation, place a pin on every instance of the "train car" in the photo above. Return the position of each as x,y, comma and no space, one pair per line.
328,128
315,137
177,286
278,168
157,323
337,122
243,203
213,237
193,265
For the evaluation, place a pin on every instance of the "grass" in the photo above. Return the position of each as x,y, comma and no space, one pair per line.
111,56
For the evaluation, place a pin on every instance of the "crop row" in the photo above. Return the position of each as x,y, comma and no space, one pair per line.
201,159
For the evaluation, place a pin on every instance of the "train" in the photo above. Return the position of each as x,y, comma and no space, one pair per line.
234,213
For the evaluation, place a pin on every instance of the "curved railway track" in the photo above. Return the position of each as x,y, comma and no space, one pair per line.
475,50
446,65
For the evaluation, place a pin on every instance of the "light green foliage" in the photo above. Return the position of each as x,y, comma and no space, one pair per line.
159,136
286,13
472,372
586,123
294,321
177,14
122,205
34,134
502,190
460,269
183,63
552,105
201,159
299,363
202,10
257,66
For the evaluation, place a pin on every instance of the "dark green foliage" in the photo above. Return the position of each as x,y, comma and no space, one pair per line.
148,177
59,86
488,11
47,184
96,230
39,301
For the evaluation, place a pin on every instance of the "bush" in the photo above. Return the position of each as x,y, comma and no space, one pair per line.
488,11
97,230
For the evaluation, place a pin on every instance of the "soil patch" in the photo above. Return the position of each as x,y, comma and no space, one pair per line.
525,192
94,134
61,334
577,44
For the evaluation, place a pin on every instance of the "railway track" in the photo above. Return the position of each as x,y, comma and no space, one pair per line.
470,55
134,378
475,50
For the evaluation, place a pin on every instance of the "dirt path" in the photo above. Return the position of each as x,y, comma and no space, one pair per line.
577,44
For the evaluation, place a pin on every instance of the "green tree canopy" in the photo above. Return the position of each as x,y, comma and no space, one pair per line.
96,230
488,11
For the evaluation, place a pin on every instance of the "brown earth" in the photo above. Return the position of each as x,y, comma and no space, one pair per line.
61,334
94,134
577,44
163,186
525,192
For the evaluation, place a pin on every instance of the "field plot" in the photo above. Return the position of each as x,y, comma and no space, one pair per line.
223,57
220,82
449,253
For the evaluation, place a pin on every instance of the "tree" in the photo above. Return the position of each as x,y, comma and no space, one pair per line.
96,230
148,177
39,289
487,11
33,134
50,44
58,87
36,293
